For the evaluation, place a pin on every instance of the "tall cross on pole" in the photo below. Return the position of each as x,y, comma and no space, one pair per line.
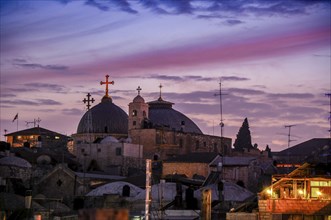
139,89
107,83
329,95
88,101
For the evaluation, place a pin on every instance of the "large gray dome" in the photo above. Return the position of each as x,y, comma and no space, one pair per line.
161,113
106,117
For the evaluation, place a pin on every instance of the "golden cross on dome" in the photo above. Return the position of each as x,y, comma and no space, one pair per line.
107,83
139,89
88,100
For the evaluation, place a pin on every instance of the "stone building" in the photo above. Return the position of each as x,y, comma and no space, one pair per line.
61,183
37,137
110,155
165,132
155,128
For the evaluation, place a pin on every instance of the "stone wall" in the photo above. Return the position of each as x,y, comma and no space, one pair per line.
189,169
241,215
165,143
13,172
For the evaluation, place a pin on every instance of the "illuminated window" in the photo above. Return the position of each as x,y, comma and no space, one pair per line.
315,192
19,137
134,113
320,183
57,137
31,137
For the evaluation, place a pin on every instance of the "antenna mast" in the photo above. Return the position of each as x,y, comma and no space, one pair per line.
220,94
35,122
289,140
329,95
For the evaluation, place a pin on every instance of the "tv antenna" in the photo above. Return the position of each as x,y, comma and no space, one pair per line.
329,95
34,122
289,140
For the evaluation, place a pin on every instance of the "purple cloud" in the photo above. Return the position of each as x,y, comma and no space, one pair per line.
40,66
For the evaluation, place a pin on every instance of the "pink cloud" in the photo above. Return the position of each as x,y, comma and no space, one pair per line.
216,52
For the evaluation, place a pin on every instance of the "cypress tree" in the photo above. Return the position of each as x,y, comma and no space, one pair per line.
243,140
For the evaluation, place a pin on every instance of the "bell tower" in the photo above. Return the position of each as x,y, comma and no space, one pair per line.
138,112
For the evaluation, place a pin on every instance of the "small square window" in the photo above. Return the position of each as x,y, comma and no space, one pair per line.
82,150
118,151
99,150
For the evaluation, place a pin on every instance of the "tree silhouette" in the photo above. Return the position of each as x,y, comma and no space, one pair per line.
244,140
267,149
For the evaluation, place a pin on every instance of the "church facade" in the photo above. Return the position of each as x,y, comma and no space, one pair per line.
155,128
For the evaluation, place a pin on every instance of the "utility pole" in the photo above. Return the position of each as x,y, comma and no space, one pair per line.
148,188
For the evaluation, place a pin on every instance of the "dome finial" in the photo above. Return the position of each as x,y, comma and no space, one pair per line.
139,89
107,83
160,86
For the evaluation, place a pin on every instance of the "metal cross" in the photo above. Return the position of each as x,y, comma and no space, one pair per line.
107,83
88,101
139,89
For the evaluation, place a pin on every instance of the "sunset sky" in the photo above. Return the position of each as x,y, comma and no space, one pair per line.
273,57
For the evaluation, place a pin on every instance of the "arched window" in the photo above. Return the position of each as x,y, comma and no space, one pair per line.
155,157
180,142
126,191
134,113
197,144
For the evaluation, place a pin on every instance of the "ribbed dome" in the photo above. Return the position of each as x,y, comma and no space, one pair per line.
106,117
139,99
161,113
14,161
